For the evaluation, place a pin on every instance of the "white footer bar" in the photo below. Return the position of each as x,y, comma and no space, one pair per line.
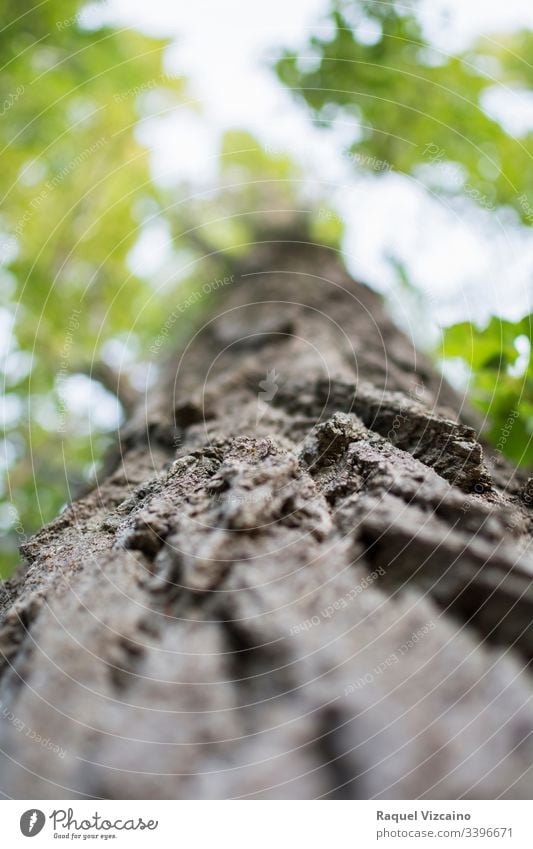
268,824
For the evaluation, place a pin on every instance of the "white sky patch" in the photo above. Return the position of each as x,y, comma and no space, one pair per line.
7,322
93,406
152,249
10,410
43,410
453,251
183,147
120,351
523,346
454,24
512,108
8,517
8,453
16,366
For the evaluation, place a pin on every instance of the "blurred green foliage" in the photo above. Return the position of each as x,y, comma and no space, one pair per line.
75,189
414,108
501,379
76,322
418,111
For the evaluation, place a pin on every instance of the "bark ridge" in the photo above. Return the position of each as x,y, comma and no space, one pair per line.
301,577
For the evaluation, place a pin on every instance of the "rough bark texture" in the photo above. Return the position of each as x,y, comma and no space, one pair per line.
301,577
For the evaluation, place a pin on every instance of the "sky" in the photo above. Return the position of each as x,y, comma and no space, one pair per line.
469,265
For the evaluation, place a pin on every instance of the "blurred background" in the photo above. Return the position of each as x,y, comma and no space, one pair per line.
146,146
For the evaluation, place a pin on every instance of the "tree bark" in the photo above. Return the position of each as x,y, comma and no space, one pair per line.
300,577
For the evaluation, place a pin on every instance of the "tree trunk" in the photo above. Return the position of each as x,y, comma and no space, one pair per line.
301,578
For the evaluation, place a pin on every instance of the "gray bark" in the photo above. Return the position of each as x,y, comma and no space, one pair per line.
301,576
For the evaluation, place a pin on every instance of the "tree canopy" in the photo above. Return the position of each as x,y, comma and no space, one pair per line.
77,314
